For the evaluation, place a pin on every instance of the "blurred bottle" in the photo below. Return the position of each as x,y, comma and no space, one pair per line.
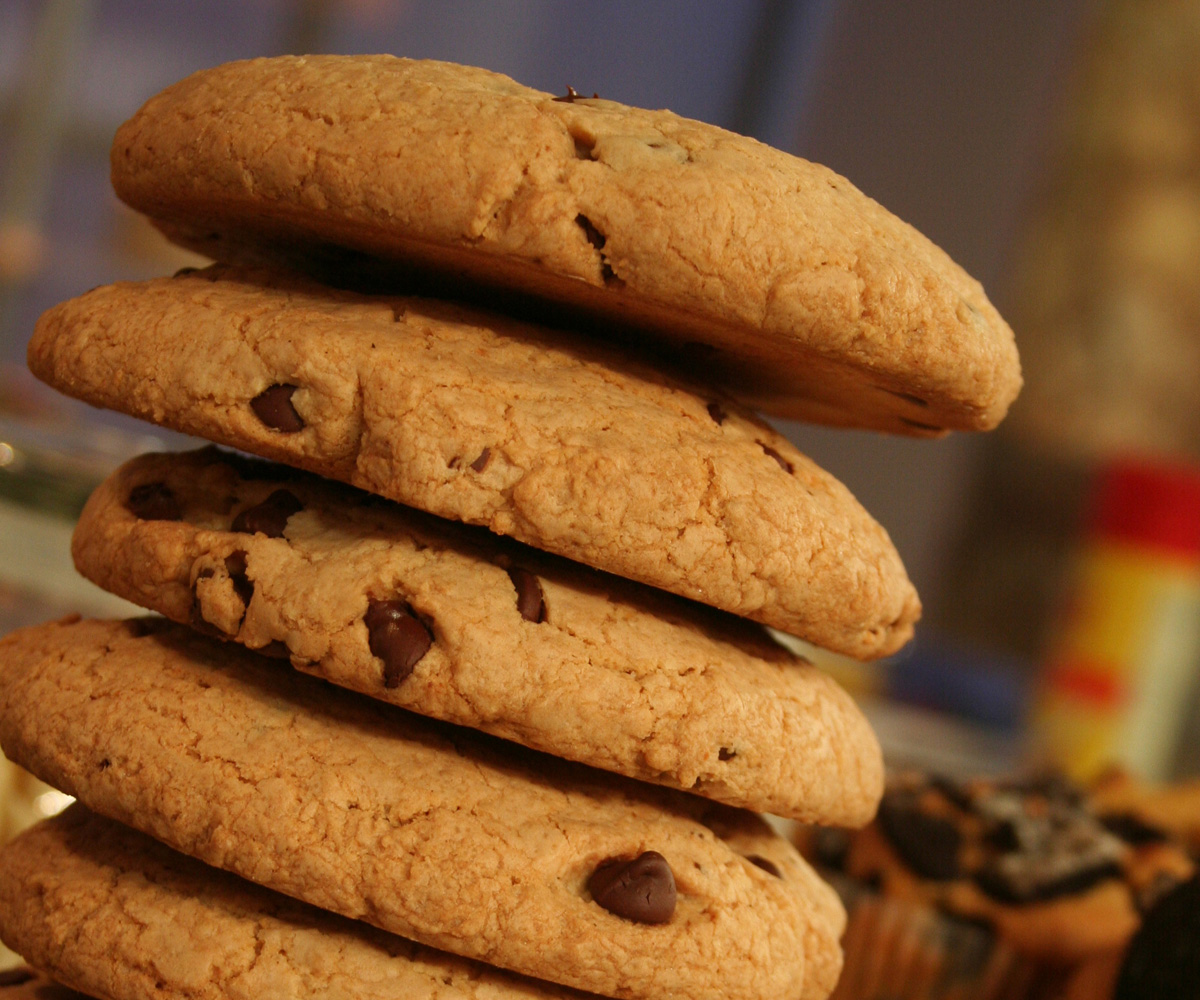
1123,663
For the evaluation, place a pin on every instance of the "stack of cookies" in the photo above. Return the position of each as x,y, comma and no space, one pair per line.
495,354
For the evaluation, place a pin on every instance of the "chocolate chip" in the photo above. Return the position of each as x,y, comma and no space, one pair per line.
274,408
1163,958
481,462
928,844
15,977
531,602
153,502
269,517
783,462
765,864
105,764
235,566
717,413
396,636
641,888
725,753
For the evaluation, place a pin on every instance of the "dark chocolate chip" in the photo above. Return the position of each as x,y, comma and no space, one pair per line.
105,764
531,602
274,408
725,753
15,977
765,864
235,566
269,517
783,462
481,462
717,413
396,636
928,844
641,888
153,502
1163,958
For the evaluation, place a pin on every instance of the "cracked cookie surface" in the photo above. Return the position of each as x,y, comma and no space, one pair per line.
561,444
117,914
771,273
596,669
441,835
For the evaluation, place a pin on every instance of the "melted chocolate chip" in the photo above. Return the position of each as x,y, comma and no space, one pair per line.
481,462
717,413
274,408
531,602
928,844
15,977
235,566
396,636
725,753
153,502
269,517
765,864
640,889
783,462
1163,958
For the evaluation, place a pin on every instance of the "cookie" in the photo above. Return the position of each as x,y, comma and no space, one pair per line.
438,834
454,622
536,435
1030,859
118,915
771,273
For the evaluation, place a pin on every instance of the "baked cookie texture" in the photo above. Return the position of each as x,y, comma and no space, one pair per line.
450,838
118,915
775,274
563,445
506,639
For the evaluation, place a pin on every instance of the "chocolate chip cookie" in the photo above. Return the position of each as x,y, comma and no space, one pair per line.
773,274
116,914
456,623
537,435
439,834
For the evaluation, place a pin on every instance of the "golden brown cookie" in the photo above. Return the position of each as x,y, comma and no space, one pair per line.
459,624
118,915
536,435
439,834
774,274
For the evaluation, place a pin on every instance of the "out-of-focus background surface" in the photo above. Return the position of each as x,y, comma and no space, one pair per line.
1053,149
